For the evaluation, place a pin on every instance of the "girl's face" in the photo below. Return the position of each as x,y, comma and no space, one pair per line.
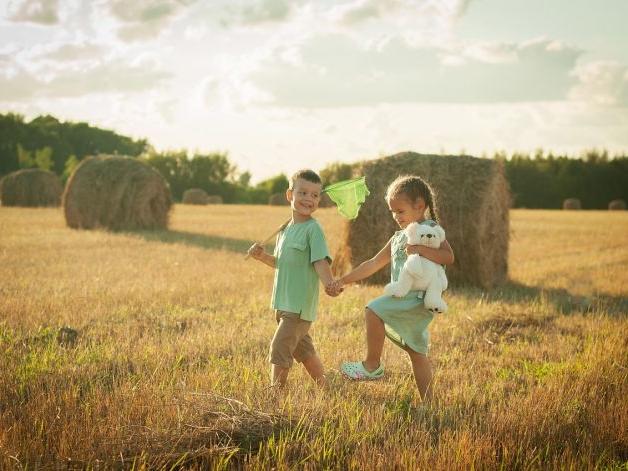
405,211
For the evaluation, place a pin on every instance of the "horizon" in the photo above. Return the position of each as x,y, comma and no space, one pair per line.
285,84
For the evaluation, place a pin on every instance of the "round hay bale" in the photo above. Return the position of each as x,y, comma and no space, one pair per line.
31,187
572,203
117,193
326,201
278,199
195,196
472,199
214,199
617,205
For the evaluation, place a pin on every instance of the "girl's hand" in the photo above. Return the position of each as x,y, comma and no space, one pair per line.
334,288
413,249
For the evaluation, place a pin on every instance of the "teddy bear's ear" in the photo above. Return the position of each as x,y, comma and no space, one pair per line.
440,232
411,228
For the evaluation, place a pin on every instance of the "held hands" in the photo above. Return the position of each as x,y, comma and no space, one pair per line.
334,288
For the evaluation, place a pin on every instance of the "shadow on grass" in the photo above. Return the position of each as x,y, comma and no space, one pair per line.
196,240
565,302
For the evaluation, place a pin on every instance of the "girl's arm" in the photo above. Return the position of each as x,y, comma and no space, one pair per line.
442,255
367,268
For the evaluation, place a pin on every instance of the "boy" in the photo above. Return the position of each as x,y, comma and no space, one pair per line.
300,258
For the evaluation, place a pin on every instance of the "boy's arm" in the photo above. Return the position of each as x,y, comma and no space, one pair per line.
258,253
443,255
367,268
324,271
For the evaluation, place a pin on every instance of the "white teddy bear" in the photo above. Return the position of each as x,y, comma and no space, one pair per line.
419,273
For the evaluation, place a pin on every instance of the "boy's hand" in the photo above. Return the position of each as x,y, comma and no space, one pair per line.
334,288
256,251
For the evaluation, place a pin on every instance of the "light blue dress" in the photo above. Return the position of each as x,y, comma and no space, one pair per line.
406,319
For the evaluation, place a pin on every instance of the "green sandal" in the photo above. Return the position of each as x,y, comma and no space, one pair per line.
355,370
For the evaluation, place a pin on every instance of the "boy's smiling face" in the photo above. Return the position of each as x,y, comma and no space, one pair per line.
304,198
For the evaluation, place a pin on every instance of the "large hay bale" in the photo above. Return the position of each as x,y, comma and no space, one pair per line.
617,205
473,201
117,193
31,187
195,196
572,203
214,199
278,199
325,201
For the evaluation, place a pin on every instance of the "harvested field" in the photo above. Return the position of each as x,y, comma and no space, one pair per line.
169,366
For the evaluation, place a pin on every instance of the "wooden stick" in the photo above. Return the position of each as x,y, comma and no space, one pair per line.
268,239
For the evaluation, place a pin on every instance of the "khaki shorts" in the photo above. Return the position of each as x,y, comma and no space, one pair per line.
291,340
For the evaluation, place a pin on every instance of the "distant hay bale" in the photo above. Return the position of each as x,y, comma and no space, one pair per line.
195,196
473,201
278,199
117,193
325,201
572,203
31,187
214,199
617,205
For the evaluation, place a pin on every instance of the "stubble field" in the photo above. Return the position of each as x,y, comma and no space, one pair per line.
169,368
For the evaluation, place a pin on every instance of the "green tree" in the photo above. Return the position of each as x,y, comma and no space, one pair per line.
43,158
336,172
244,179
70,164
11,134
24,157
277,184
213,173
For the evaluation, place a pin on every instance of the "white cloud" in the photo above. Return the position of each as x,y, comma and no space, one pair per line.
43,12
335,71
114,76
231,94
358,11
257,12
601,83
144,19
363,10
59,53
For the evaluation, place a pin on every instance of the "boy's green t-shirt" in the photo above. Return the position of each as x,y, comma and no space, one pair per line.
295,288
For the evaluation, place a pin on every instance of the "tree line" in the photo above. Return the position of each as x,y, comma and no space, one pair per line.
540,180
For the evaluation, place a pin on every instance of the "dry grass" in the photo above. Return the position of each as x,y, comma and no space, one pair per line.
169,368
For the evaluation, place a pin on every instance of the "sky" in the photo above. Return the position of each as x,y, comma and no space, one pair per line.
281,85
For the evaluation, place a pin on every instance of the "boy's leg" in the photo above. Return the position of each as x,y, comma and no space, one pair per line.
291,341
314,366
281,347
305,353
422,369
278,375
375,336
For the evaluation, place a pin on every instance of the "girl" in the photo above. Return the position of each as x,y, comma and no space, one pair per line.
402,320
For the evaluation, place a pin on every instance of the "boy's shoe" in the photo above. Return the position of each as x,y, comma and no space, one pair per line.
355,370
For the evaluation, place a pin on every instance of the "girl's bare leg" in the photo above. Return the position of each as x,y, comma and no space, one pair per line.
422,369
375,336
